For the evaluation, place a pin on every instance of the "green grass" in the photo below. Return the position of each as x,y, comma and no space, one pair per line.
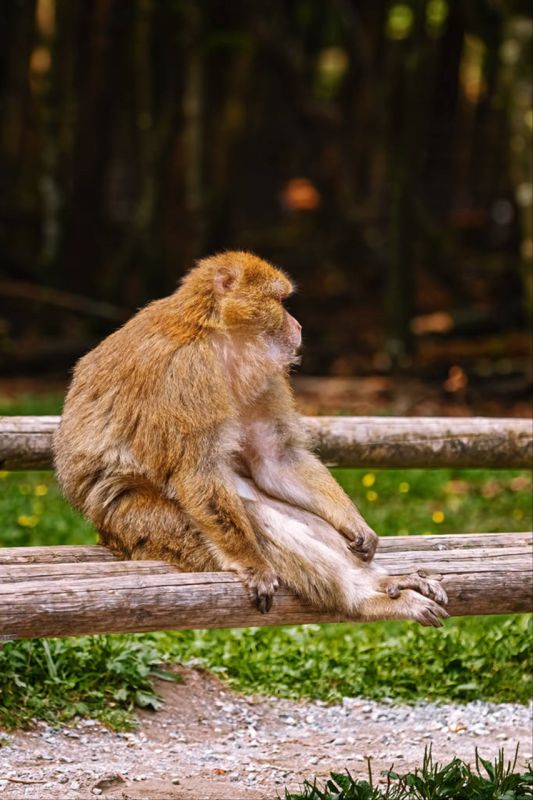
408,502
441,501
103,677
457,780
30,404
468,659
106,676
33,512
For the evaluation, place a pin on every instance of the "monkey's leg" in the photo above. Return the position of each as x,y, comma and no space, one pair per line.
213,504
142,524
310,558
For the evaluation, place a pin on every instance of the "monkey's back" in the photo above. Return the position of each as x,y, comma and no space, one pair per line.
117,415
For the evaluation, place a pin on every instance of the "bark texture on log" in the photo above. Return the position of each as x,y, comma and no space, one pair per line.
25,442
483,574
67,553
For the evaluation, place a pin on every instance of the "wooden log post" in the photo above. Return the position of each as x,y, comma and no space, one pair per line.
426,442
65,591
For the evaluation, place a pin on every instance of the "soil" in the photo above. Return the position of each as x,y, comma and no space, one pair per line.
210,743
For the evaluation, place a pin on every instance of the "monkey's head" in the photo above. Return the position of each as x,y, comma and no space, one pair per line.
247,296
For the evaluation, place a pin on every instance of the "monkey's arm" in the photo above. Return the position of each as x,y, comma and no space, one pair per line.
281,464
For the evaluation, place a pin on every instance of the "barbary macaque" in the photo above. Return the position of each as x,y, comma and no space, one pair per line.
180,441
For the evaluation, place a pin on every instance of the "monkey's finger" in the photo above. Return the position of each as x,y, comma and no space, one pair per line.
438,593
431,589
364,552
427,588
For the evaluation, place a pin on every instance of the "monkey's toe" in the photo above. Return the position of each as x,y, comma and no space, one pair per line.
432,616
423,609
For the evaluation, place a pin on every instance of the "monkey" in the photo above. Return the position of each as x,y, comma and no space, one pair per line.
180,441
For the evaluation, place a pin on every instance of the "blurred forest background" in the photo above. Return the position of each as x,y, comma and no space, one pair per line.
379,151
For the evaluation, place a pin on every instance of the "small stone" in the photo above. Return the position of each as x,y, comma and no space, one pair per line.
109,780
176,781
96,791
74,786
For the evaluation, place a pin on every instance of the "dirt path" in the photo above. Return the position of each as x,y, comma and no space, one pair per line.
208,743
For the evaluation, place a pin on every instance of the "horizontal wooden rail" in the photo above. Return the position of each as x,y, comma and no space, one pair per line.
64,591
25,442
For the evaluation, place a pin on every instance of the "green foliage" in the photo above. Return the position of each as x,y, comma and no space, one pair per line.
32,404
469,659
442,500
106,676
102,677
33,512
497,780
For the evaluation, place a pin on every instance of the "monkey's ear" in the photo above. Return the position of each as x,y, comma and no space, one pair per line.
225,279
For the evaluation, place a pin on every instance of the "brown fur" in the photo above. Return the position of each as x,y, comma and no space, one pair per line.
179,440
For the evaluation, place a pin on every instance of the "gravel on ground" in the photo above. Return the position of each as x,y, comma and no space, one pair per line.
210,743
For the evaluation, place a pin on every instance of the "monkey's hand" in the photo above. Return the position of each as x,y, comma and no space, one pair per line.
262,584
363,540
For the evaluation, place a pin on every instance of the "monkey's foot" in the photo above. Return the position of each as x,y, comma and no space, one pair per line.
364,542
420,609
392,585
262,585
